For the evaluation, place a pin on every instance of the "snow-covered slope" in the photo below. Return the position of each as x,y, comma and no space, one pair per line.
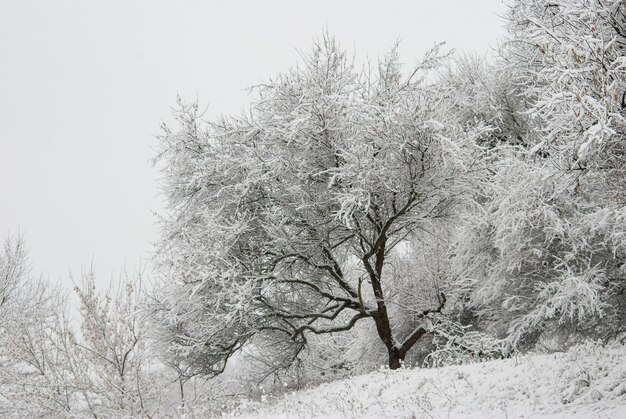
589,381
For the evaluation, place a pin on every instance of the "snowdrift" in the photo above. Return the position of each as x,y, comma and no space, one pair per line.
589,381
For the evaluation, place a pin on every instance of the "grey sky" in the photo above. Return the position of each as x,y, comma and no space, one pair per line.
84,86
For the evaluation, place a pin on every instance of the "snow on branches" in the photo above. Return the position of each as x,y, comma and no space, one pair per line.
331,167
547,251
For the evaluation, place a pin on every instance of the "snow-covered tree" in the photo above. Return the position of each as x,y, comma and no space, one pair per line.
13,270
282,221
48,369
40,372
548,251
122,379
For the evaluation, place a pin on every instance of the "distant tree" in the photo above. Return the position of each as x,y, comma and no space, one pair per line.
39,370
47,369
13,275
122,379
282,222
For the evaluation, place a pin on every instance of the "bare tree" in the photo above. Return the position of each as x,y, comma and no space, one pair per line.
47,369
122,379
13,273
40,372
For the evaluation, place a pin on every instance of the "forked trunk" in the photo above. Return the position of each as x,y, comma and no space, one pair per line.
395,359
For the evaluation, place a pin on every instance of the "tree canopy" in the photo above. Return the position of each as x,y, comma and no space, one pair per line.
332,167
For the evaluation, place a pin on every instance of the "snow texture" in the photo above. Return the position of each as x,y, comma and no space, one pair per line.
589,381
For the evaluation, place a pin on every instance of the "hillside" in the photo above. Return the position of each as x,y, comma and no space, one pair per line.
589,381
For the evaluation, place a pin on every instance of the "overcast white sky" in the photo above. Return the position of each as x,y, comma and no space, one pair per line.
84,86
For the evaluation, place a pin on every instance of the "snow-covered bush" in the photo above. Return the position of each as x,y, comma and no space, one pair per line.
548,250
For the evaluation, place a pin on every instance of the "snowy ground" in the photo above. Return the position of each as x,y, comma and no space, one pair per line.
587,382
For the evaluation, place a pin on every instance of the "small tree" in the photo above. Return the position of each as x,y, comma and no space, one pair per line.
122,379
46,369
40,371
282,221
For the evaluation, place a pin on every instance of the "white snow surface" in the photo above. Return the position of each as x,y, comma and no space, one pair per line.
589,381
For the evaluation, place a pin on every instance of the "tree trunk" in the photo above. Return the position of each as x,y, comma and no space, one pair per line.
395,359
397,355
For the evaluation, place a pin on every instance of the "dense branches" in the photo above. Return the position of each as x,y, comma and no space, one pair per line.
352,214
548,251
48,369
331,166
